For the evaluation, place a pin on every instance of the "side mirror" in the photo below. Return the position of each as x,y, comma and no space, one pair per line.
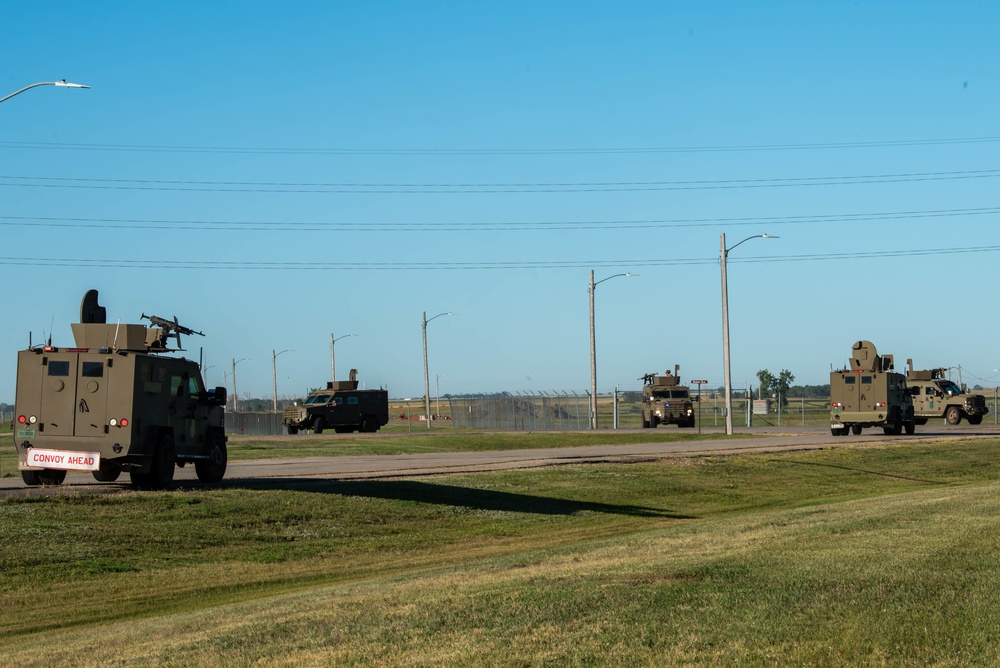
218,396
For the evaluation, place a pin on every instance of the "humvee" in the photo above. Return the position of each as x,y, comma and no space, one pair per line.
116,402
341,407
665,400
870,394
936,396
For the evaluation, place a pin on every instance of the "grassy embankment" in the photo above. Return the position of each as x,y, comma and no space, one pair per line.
881,555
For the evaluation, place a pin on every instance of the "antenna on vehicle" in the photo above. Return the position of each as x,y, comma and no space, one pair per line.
114,344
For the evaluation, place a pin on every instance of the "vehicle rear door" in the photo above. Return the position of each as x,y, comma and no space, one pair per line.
57,412
92,385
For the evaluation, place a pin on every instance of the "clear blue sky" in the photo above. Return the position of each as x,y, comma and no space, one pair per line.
272,173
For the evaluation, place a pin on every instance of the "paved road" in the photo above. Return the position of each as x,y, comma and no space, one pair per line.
297,472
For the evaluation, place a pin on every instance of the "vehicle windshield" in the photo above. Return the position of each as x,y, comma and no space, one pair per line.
670,394
318,399
948,387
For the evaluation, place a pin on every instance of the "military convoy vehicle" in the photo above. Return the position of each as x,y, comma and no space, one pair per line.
116,402
666,401
870,394
936,396
341,407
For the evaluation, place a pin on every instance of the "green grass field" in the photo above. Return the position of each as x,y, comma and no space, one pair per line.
870,556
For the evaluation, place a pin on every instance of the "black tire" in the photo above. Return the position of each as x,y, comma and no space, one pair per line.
856,429
653,421
318,425
293,430
835,431
30,478
845,430
953,415
164,463
645,422
369,424
213,469
897,427
108,472
51,477
975,419
920,421
909,428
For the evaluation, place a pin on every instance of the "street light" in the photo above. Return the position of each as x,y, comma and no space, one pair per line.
62,83
593,347
274,375
724,253
427,378
333,364
236,396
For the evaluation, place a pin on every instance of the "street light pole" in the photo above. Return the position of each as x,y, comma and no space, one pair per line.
723,254
236,396
274,375
427,378
333,363
62,83
593,347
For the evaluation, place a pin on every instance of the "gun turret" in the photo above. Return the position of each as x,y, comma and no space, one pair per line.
169,328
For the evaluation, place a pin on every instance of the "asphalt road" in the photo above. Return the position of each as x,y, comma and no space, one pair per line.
303,471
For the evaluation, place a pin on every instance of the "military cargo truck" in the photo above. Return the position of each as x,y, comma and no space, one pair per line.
341,407
113,402
936,396
665,400
870,394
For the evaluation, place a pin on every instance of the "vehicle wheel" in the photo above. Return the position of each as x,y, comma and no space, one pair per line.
293,430
141,480
921,421
164,463
108,472
909,428
653,421
645,422
953,415
51,477
845,430
856,429
318,425
212,470
975,419
897,427
369,424
30,478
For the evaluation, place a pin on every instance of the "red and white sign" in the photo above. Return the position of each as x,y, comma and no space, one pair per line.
62,459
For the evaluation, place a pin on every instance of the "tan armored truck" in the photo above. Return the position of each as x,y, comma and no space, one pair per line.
341,407
935,396
116,401
665,400
870,394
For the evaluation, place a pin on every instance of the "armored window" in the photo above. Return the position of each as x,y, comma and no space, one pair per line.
866,380
928,390
193,388
176,386
58,368
848,380
92,370
338,401
352,401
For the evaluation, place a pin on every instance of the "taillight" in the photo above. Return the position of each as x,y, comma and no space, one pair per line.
21,419
115,422
124,422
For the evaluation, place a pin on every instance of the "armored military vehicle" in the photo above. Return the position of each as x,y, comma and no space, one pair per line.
341,407
870,394
115,402
665,400
936,396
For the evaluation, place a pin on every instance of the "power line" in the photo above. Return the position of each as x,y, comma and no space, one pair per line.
478,188
466,266
401,226
724,148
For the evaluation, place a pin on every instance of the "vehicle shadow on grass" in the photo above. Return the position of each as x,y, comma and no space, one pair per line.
453,495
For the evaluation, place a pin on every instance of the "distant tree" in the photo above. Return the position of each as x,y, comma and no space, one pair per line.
765,382
782,385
